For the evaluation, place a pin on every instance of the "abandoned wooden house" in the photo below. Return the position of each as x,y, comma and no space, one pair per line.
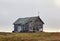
28,24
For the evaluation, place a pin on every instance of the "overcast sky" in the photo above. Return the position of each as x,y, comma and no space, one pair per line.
11,10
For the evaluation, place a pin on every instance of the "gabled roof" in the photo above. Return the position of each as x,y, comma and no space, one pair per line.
26,20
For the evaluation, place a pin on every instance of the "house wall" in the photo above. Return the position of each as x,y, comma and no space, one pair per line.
37,25
24,28
15,28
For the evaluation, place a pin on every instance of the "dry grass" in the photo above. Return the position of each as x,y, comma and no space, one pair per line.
39,36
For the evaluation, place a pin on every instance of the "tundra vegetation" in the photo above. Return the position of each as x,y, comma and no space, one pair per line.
39,36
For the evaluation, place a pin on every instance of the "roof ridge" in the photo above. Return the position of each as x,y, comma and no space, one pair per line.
30,17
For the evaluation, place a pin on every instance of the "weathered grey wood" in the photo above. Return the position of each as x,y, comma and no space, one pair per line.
34,24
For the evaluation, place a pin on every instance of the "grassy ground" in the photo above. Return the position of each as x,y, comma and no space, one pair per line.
39,36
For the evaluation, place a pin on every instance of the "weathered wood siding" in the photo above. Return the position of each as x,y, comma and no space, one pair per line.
36,25
15,28
24,28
